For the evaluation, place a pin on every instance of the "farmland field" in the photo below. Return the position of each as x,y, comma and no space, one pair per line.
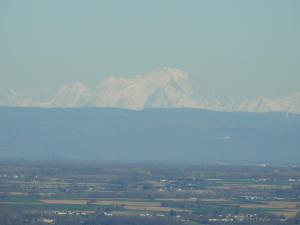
203,194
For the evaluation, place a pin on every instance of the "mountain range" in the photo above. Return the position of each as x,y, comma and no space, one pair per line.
163,88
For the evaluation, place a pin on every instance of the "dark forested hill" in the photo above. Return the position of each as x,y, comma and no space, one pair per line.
149,135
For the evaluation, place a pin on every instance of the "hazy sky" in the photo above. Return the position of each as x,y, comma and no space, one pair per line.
242,48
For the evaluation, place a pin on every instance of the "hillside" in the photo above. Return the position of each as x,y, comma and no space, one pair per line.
152,134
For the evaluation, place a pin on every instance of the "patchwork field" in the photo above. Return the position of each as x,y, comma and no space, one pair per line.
210,195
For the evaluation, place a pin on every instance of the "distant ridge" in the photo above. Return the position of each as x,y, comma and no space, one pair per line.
164,135
163,88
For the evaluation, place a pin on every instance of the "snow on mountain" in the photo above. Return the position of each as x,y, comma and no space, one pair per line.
165,88
11,98
161,88
70,95
286,104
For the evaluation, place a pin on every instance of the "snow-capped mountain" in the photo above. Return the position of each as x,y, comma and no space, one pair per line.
11,98
161,88
70,95
165,88
286,104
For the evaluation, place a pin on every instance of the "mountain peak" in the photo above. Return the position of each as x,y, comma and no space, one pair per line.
70,95
167,73
75,86
158,75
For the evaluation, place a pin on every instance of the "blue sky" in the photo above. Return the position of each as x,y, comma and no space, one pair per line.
239,47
